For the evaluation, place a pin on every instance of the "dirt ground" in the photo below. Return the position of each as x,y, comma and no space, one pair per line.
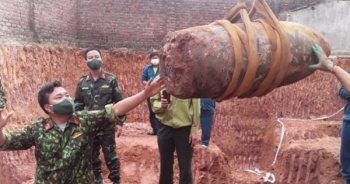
309,154
246,133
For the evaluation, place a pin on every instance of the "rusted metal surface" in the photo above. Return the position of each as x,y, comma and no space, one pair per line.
199,61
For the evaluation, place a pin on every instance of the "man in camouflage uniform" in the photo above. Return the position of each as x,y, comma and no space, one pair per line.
93,92
3,98
63,141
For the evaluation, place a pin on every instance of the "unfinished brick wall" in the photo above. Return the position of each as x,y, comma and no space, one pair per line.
55,21
14,20
113,23
40,21
144,23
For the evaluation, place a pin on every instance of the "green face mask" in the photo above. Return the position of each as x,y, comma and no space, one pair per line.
66,107
94,64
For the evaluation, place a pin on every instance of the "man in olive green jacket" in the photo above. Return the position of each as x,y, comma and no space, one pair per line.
177,130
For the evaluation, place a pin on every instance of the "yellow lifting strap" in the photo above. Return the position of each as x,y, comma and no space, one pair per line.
280,55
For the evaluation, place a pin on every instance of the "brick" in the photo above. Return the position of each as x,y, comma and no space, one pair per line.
137,22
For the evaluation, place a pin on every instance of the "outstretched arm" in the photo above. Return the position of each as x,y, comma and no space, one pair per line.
325,64
126,105
115,112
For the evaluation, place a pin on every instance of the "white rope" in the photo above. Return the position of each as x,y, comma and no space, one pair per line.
291,119
270,175
281,139
266,177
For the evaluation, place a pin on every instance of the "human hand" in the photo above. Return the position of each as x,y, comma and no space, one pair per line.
4,117
193,139
118,130
144,83
324,63
153,87
164,102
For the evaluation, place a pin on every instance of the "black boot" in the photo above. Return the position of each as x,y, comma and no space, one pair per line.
98,180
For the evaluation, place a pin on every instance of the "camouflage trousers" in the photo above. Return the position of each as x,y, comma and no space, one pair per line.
107,142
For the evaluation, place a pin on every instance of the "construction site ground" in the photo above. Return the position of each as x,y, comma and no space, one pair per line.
246,134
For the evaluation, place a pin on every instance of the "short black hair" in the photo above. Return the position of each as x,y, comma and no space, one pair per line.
45,91
90,49
153,54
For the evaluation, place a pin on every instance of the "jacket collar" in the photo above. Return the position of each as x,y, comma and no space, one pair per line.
73,120
101,75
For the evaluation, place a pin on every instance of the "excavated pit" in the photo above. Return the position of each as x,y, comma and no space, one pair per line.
245,135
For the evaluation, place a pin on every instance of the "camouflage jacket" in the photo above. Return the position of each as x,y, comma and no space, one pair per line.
63,157
3,98
94,95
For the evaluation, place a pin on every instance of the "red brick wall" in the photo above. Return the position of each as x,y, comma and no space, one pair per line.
39,21
143,23
56,20
112,23
14,20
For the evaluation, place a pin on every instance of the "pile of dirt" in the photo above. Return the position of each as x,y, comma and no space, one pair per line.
309,152
309,161
139,156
